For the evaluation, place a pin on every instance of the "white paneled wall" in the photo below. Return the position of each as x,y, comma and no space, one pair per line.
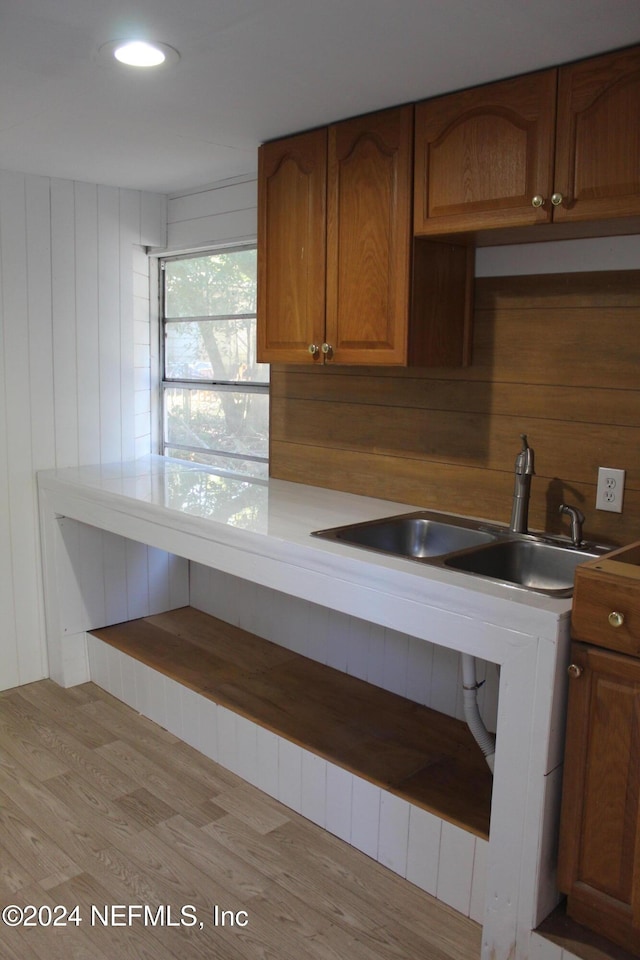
223,213
108,579
74,365
421,671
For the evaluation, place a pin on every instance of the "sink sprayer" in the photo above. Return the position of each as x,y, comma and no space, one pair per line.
485,740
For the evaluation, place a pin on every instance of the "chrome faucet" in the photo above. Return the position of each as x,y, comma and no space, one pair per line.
577,519
524,470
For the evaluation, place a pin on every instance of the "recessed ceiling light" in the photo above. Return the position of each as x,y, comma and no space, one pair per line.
139,53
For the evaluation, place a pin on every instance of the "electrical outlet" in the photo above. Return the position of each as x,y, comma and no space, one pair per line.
610,492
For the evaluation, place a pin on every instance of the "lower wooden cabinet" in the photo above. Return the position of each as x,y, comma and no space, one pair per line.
599,865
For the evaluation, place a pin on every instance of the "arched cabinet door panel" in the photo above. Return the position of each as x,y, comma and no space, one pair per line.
598,138
484,157
292,176
369,237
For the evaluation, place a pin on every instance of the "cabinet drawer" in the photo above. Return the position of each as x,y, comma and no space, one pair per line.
606,611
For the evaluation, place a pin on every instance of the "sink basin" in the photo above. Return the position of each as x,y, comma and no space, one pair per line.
471,546
527,561
542,567
414,535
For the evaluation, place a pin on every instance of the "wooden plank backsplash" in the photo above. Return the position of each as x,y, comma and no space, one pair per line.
556,357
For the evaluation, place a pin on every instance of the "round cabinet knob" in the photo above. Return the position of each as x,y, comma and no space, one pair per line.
537,201
574,671
313,349
616,619
327,349
556,199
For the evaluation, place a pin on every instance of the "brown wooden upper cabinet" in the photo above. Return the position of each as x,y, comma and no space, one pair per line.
369,237
336,252
597,169
292,179
561,145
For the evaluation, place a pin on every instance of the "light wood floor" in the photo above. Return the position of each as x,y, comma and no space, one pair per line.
99,806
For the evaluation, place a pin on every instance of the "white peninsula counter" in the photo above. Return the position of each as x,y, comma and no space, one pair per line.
119,541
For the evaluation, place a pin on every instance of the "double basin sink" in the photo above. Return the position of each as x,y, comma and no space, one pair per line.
539,563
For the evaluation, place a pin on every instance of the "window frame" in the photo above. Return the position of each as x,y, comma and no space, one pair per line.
214,384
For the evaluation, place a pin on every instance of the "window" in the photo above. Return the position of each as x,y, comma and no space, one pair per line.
215,395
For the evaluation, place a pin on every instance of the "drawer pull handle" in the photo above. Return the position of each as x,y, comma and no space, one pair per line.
616,619
574,671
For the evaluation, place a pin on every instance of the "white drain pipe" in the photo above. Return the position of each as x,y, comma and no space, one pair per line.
485,740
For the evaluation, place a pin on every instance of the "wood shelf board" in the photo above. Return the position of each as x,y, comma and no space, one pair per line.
415,752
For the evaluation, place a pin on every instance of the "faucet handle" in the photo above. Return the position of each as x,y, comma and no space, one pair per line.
570,511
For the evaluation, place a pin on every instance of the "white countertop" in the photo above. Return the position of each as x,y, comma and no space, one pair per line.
269,523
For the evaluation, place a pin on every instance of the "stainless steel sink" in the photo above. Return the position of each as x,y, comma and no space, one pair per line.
526,561
533,564
413,535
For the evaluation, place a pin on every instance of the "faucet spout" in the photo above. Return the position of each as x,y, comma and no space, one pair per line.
577,519
524,470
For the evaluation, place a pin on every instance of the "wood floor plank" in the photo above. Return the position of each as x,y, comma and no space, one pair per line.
45,735
66,826
261,815
28,843
173,787
65,714
418,753
142,808
296,924
332,860
18,743
238,878
13,876
42,942
109,818
307,894
132,940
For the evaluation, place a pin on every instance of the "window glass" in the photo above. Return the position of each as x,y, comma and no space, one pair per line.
220,284
222,420
221,349
215,400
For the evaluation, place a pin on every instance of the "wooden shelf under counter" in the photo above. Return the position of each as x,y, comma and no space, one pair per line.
412,751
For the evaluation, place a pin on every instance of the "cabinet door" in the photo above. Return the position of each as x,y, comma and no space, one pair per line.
482,155
598,138
291,247
369,237
599,864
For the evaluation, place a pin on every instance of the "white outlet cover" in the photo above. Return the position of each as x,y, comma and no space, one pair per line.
610,492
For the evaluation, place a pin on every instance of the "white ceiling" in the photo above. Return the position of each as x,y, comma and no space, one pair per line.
251,70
